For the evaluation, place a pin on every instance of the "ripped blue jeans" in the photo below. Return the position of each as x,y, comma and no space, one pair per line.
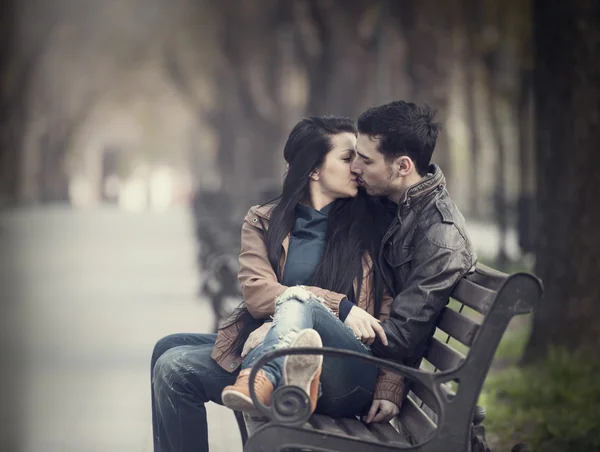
347,385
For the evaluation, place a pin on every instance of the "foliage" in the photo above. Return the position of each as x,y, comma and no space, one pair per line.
552,406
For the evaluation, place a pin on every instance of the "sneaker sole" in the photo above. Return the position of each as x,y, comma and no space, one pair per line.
300,370
237,401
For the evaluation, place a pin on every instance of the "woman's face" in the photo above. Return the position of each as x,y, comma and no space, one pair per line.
335,178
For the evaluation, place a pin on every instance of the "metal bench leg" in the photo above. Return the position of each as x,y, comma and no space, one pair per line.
239,417
478,439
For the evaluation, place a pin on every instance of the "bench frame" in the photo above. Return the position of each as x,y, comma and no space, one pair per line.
458,425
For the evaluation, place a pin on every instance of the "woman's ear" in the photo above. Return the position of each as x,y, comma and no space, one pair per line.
315,175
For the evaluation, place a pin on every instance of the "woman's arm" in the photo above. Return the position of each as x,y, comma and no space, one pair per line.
259,284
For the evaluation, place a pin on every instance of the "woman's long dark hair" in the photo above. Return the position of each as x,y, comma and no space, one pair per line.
354,225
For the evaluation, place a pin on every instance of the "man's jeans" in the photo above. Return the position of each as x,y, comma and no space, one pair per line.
347,385
185,377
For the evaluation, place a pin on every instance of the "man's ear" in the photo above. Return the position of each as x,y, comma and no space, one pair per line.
403,166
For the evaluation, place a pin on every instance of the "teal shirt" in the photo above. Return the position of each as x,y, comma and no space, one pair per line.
307,243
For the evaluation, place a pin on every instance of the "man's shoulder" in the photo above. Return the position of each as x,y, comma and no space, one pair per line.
442,223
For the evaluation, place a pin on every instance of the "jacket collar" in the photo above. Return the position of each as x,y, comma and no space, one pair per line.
433,181
265,211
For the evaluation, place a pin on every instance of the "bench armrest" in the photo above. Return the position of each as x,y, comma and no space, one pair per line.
281,397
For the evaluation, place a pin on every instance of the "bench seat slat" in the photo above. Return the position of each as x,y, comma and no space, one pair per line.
321,422
458,326
352,427
356,428
386,433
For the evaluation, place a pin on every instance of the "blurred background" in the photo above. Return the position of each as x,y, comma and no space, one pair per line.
135,134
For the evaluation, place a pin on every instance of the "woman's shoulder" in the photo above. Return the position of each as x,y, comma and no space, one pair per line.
260,211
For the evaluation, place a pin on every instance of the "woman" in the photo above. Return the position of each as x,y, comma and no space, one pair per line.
320,235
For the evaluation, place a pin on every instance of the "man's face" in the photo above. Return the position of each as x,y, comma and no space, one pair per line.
374,174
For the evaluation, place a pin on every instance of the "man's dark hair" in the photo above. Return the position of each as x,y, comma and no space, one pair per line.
404,128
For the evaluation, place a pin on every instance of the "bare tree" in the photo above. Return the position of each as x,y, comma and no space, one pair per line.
249,64
337,41
426,27
21,46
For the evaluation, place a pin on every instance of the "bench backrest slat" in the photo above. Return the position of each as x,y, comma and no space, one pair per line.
487,277
473,295
415,421
458,326
442,356
427,397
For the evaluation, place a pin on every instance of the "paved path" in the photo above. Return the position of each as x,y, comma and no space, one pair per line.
85,296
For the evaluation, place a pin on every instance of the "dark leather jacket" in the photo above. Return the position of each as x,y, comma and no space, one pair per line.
423,255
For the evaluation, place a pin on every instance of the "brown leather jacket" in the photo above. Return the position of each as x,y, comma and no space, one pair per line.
260,288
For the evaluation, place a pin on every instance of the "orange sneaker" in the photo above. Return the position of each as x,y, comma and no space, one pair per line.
237,396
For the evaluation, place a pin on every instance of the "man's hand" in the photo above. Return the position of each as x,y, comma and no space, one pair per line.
381,411
256,338
365,326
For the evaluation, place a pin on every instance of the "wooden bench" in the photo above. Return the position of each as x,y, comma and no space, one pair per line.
439,412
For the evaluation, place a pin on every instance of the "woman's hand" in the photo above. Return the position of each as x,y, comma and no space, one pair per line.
256,338
365,326
381,411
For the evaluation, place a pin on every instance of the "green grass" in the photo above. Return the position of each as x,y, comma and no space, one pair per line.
554,406
511,347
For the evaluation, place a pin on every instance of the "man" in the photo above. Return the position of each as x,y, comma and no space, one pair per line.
426,249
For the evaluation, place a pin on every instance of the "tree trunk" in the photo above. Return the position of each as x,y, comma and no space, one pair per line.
427,29
337,41
7,151
10,413
527,170
472,18
251,83
249,74
53,179
496,122
567,95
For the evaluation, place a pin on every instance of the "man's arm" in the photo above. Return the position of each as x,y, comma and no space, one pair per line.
440,259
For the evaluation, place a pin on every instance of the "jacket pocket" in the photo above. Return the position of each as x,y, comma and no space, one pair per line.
398,256
400,260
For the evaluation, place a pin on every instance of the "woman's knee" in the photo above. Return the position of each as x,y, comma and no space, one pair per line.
298,306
